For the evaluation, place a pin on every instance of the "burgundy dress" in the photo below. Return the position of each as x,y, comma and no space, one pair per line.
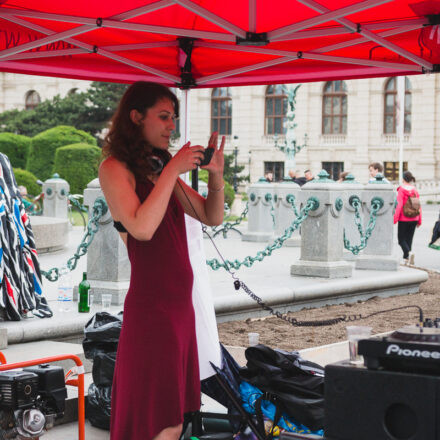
156,376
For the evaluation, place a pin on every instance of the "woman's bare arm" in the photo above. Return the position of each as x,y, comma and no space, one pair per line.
118,184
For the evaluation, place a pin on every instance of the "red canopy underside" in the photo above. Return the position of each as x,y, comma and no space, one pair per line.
136,40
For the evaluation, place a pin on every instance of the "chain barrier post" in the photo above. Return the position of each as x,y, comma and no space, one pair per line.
286,210
353,214
260,212
379,253
55,192
108,268
322,232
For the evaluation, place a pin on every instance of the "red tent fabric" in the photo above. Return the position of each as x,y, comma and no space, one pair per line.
211,43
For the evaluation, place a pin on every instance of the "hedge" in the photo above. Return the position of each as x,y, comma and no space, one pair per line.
41,157
16,147
27,179
78,164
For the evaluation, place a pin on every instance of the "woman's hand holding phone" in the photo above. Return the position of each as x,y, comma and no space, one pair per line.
216,164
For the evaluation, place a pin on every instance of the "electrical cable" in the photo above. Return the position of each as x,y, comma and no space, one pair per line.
293,321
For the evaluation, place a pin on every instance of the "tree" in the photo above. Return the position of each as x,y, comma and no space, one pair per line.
229,170
89,111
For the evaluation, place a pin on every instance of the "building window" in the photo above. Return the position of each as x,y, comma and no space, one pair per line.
32,100
276,109
390,107
334,108
73,91
221,111
277,170
333,168
391,170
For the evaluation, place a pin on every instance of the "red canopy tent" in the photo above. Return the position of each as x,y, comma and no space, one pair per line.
210,43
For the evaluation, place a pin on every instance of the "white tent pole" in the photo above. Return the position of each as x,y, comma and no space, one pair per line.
184,123
400,120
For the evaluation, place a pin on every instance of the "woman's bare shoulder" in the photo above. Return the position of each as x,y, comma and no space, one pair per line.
113,168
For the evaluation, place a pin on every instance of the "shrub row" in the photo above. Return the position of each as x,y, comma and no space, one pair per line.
38,157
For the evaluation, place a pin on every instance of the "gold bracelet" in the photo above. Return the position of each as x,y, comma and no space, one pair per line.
216,190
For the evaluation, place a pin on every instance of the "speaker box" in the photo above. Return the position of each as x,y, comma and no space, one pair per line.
363,404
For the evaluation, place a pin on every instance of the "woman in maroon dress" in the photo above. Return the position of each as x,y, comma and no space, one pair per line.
156,376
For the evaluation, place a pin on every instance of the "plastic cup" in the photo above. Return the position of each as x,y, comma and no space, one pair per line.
354,334
106,302
91,300
254,339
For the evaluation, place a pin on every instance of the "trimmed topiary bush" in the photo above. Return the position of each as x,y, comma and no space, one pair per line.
41,157
16,147
78,164
27,179
229,194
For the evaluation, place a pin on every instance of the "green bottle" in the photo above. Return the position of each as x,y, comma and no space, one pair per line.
84,295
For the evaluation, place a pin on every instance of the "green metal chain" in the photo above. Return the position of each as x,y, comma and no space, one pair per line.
224,228
100,208
73,199
290,198
376,204
311,205
268,197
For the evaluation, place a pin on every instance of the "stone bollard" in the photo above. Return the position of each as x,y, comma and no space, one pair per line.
353,190
55,197
108,267
284,214
322,232
261,209
379,253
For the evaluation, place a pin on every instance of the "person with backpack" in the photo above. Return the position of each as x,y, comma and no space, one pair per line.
408,215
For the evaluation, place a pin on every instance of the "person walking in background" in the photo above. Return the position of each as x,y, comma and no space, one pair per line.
342,176
296,177
269,177
408,215
308,175
375,168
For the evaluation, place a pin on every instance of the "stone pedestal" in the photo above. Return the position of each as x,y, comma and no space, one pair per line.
50,233
108,267
260,220
322,232
353,190
379,253
284,213
55,197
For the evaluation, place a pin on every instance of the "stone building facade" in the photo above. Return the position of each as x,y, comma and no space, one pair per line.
348,124
365,136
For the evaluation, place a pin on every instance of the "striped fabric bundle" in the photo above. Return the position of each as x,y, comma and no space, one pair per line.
21,287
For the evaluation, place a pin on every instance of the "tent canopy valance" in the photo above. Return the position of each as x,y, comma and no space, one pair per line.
211,43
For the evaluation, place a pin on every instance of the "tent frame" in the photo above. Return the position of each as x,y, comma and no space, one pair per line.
246,41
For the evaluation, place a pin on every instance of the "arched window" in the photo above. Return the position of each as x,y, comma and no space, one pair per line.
221,111
390,102
334,108
32,100
276,109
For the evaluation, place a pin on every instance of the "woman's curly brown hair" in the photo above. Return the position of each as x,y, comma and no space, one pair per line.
125,140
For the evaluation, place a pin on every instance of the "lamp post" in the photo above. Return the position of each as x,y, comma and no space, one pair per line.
235,181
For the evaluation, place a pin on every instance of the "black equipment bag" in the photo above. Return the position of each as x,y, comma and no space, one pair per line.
289,381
